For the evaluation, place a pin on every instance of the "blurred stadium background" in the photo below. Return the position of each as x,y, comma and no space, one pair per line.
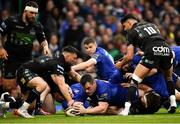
67,22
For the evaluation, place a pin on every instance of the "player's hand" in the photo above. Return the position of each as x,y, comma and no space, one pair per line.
46,51
128,76
118,65
80,108
3,54
70,103
141,53
125,85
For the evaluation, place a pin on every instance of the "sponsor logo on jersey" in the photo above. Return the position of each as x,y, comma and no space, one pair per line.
161,50
32,31
19,27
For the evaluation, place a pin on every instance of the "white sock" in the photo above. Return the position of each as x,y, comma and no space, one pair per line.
6,105
127,106
25,105
173,100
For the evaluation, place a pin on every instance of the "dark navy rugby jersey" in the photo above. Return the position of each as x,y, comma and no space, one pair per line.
105,63
144,34
48,64
20,36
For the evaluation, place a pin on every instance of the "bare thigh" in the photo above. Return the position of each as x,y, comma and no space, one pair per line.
141,71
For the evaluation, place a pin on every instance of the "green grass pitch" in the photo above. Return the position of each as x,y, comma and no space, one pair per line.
159,117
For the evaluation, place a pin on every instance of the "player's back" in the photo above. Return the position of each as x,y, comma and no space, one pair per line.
105,63
115,94
147,35
44,64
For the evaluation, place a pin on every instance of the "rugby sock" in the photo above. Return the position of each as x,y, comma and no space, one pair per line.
15,105
38,102
25,105
173,100
8,98
32,96
127,106
1,90
171,87
132,90
171,90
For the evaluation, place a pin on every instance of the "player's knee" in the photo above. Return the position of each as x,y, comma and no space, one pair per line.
47,88
41,86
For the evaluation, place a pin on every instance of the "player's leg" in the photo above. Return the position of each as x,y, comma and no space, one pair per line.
40,101
49,105
28,79
38,85
171,89
9,76
167,69
139,74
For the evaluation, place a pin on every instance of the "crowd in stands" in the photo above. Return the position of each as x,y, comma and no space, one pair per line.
68,22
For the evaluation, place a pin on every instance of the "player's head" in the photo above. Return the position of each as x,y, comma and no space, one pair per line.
90,45
88,83
70,54
128,21
30,11
151,101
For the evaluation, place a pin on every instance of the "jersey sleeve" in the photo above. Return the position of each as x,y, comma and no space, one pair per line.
58,69
5,26
132,37
78,93
97,57
67,67
40,33
103,94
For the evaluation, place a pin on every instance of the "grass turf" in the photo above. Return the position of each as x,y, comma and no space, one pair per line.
159,117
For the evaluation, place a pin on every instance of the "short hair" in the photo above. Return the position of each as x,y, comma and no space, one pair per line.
153,101
86,78
32,3
70,49
89,40
128,16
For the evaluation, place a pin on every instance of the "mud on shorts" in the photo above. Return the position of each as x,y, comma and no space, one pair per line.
24,76
159,56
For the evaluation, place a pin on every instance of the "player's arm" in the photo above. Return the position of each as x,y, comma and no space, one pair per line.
76,76
60,82
100,109
127,58
3,53
42,39
4,27
46,50
84,65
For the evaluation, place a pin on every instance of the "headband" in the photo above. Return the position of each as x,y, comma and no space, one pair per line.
32,9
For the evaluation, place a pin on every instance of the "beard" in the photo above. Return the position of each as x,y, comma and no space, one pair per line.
30,20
